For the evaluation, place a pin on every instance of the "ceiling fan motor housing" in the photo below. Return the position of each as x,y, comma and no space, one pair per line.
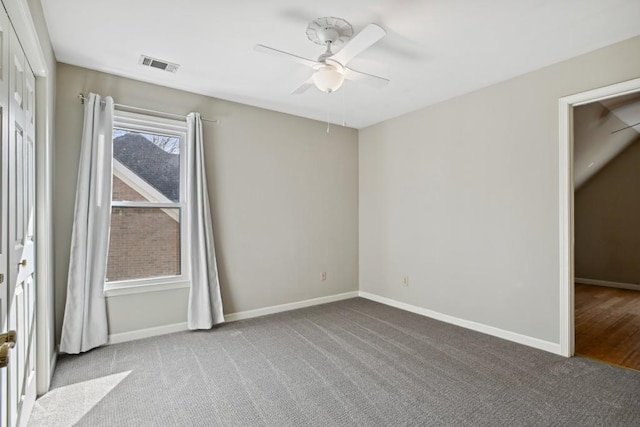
328,34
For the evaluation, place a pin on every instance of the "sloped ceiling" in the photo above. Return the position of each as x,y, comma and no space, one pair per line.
434,49
600,134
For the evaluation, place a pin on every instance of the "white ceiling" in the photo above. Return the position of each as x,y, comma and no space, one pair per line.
434,49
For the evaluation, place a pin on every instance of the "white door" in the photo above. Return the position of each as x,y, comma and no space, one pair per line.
21,251
4,199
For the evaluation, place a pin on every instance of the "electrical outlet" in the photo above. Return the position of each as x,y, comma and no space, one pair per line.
324,276
405,281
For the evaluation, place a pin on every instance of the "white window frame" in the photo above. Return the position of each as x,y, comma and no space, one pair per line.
157,125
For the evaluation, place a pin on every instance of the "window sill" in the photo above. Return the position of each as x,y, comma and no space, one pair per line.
120,289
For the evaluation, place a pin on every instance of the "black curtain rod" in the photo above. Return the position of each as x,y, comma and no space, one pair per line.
625,128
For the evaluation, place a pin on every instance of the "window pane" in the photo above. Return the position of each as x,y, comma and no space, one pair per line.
144,243
146,167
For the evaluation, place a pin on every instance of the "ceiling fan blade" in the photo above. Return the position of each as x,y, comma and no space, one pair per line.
303,87
369,79
361,41
276,52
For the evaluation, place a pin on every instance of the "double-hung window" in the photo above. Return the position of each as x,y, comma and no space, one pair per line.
147,249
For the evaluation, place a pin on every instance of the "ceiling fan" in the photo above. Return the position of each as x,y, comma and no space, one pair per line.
330,69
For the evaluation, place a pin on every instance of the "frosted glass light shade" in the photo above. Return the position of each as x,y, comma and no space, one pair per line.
328,79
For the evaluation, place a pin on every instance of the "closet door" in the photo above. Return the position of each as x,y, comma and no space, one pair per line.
21,251
4,198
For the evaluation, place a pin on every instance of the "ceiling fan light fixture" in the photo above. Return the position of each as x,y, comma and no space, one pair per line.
328,79
329,69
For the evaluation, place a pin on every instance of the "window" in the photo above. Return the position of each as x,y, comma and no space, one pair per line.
148,205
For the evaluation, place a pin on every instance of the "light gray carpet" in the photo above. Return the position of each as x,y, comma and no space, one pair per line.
353,362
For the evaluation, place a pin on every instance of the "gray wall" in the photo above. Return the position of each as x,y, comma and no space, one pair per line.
462,197
284,196
607,221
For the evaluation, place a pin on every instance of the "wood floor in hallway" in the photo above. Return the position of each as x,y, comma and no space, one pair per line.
607,324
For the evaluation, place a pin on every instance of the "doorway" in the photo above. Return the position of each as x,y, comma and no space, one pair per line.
574,173
606,159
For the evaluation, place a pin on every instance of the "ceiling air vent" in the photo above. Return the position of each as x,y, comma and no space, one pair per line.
158,63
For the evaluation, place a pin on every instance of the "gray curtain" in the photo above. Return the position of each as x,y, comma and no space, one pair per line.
205,302
85,317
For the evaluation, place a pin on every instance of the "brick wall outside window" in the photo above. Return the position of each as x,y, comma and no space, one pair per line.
144,242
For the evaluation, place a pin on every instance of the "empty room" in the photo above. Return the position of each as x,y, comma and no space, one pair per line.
296,213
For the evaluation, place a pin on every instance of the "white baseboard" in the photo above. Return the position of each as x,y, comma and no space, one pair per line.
146,333
608,284
178,327
241,315
479,327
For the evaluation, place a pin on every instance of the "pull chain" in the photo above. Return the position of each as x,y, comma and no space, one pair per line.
328,107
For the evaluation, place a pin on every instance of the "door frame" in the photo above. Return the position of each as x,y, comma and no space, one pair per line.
37,52
565,180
